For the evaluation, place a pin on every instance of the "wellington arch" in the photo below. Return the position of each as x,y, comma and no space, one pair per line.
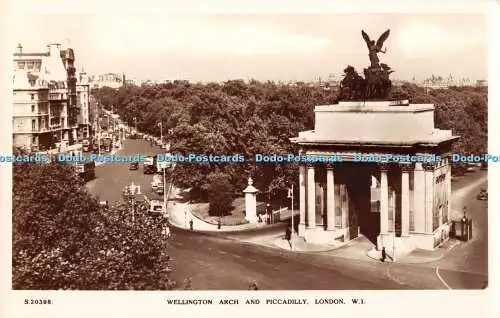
408,206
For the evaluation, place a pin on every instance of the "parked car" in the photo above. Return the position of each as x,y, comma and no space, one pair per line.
133,166
483,195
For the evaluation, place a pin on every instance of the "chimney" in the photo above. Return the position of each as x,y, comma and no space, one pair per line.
19,48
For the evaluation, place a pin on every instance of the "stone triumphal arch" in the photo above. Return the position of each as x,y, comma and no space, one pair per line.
405,204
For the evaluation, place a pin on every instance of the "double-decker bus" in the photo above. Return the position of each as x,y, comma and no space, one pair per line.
149,165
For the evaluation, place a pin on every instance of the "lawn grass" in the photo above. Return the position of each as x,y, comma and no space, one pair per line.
234,217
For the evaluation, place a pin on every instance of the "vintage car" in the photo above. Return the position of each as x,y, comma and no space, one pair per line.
149,166
133,166
483,195
155,207
159,190
157,182
86,145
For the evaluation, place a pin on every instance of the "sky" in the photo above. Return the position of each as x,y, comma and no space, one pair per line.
218,47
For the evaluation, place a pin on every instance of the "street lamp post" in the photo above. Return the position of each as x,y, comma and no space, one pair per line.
135,123
132,190
98,131
161,132
164,192
394,238
290,195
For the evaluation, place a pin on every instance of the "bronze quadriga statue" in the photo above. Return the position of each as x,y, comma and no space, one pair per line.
376,84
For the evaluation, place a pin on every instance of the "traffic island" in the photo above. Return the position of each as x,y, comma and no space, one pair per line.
297,244
417,256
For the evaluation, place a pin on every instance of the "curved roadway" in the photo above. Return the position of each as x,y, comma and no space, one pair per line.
219,262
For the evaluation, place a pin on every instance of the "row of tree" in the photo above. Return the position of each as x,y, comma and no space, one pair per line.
248,118
63,239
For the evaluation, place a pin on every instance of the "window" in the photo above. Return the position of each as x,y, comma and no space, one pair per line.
32,96
32,108
33,124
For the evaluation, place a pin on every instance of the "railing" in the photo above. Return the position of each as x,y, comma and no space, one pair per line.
31,131
30,114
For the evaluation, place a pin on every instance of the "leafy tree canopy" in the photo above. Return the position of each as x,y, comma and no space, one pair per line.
63,239
255,117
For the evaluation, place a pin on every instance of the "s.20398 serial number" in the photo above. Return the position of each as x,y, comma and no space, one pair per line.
38,302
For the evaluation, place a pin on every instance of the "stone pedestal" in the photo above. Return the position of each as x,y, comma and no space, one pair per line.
251,202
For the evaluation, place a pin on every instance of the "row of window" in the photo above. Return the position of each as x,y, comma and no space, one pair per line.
30,65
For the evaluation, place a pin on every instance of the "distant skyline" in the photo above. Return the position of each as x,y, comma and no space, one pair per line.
283,47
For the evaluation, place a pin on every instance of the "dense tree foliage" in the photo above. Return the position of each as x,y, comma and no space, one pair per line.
255,117
219,194
63,239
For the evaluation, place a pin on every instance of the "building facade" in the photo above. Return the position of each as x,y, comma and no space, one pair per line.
56,124
408,206
111,80
83,101
31,112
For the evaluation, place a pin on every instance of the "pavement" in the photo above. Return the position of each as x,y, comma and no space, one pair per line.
180,216
417,256
298,244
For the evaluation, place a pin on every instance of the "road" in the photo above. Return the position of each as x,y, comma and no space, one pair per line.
111,178
215,262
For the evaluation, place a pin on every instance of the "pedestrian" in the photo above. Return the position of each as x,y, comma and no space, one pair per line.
253,286
384,255
191,224
219,224
260,219
288,235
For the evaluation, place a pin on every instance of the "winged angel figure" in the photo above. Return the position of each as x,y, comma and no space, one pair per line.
375,48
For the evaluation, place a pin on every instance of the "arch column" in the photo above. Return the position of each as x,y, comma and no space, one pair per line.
330,197
405,198
384,199
311,197
302,199
429,195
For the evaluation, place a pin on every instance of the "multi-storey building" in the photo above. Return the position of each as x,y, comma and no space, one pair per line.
51,74
31,112
111,80
482,83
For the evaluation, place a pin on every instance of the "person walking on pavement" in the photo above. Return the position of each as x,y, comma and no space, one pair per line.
253,286
288,235
384,255
191,224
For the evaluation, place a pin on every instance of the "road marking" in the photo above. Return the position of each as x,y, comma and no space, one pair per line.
441,279
222,252
388,273
437,267
252,260
237,256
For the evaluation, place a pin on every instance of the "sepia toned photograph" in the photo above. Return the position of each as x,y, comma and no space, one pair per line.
250,152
